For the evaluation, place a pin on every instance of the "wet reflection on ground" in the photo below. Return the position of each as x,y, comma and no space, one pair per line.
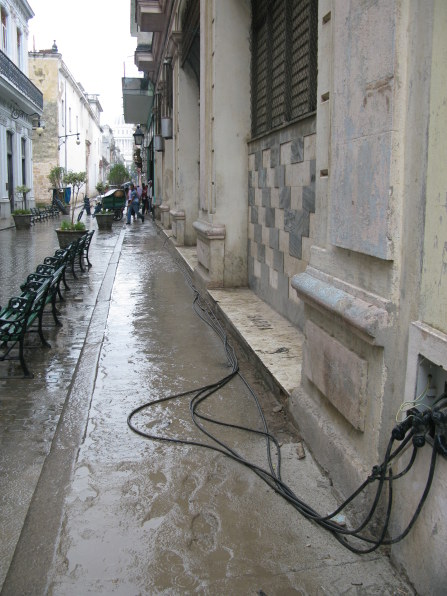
146,517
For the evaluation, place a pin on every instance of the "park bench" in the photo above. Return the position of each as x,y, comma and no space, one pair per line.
37,214
81,252
18,317
40,289
43,274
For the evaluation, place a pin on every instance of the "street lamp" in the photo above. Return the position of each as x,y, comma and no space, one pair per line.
37,124
138,135
64,139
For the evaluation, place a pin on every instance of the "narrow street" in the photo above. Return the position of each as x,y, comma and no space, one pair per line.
90,507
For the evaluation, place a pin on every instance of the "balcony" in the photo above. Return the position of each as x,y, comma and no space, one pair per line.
16,87
138,98
151,15
144,59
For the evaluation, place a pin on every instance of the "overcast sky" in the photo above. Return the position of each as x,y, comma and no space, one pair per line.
94,39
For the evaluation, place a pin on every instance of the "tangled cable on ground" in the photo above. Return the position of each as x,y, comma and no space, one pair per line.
413,431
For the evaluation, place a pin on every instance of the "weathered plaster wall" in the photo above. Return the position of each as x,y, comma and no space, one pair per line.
187,156
422,554
362,121
224,131
45,75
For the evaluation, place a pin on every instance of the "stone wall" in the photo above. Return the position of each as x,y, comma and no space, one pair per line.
281,195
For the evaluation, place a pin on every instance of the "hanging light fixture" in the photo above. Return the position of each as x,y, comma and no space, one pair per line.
138,136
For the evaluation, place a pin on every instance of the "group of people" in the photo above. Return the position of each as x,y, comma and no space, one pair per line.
141,196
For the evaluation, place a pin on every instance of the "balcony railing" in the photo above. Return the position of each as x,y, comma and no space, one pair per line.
20,81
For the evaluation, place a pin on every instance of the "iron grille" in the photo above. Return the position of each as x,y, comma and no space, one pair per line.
20,81
284,62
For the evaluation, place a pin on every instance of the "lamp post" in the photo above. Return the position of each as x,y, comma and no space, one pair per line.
64,137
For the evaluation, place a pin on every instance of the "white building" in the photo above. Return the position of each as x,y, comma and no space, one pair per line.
73,135
20,107
124,140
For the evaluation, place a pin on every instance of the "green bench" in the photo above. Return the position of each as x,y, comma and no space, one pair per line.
19,316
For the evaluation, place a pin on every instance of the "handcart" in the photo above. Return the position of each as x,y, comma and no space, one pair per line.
114,200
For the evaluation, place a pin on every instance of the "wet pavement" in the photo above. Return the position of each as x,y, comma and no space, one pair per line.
89,507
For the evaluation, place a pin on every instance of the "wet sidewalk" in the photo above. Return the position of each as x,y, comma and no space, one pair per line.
89,507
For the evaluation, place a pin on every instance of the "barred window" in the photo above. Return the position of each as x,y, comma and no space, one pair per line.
284,62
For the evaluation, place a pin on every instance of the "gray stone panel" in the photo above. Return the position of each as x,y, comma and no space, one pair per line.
265,277
262,178
251,266
313,169
251,196
261,253
258,160
295,245
309,198
296,222
280,176
297,150
274,156
254,216
266,193
258,233
274,238
270,217
278,261
284,197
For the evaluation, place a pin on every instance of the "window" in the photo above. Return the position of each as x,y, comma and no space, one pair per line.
4,32
284,62
63,113
24,162
69,119
19,49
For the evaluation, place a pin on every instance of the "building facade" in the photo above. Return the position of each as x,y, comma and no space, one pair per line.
299,147
72,137
124,140
21,106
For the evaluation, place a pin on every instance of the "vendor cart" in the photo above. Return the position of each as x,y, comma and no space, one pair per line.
114,200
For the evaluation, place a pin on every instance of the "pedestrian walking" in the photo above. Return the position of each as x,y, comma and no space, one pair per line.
145,200
150,196
134,206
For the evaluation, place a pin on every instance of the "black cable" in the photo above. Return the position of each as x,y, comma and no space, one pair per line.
404,432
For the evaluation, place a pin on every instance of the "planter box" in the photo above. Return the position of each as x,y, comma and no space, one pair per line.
22,222
66,237
105,220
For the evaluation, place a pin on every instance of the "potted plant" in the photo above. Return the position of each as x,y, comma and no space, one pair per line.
68,232
22,218
105,219
21,191
71,228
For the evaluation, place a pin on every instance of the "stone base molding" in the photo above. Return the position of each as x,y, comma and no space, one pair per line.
164,216
210,253
178,226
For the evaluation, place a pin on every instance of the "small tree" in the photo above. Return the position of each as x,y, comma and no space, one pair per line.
118,174
76,180
100,188
56,176
22,191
